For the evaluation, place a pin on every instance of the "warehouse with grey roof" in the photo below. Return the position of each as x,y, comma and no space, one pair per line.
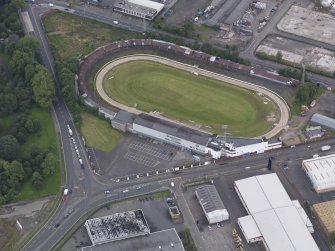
324,121
211,204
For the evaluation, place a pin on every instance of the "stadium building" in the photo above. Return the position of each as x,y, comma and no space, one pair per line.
321,172
198,142
139,8
274,219
211,204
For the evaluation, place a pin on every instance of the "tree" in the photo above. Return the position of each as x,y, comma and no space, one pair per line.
37,179
14,173
43,87
279,56
8,103
20,61
28,44
49,164
9,147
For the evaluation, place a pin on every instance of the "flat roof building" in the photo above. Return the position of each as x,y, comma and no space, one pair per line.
324,121
139,8
116,227
321,172
274,218
211,204
167,240
325,212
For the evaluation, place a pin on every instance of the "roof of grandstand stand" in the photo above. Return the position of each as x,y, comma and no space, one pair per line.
117,226
274,213
173,129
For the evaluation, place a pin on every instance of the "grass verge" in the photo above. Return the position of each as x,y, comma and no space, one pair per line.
58,246
195,100
98,133
8,233
45,139
65,30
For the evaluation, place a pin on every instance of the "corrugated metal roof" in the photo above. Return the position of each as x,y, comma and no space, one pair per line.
322,120
209,198
173,129
321,172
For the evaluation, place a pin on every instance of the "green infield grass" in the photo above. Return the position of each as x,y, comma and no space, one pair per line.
98,133
192,99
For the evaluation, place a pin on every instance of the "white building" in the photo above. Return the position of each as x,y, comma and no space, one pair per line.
194,140
276,220
321,172
211,204
139,8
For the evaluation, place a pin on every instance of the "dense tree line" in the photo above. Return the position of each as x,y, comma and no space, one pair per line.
9,17
291,73
24,83
229,52
307,92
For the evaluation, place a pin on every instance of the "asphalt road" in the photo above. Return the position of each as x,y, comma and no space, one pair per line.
89,192
271,28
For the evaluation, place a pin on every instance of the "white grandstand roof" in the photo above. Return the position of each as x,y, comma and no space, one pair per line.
321,171
148,4
275,215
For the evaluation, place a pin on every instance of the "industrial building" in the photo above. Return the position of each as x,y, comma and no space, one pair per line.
116,227
198,142
323,121
321,172
276,220
211,204
166,240
325,213
314,132
145,9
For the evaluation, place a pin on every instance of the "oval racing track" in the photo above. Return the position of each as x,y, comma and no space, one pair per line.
280,102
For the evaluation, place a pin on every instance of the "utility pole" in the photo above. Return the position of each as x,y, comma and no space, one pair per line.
302,73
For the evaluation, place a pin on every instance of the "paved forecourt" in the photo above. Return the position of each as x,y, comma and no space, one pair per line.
278,100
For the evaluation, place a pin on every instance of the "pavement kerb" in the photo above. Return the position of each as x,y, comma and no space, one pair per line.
86,214
280,102
57,202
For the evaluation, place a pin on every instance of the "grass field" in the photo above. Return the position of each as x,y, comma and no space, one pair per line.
73,36
98,133
192,99
45,139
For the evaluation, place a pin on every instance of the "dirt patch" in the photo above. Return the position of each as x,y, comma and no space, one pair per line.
295,132
185,10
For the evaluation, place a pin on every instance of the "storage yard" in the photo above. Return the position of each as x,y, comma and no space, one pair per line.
299,53
306,23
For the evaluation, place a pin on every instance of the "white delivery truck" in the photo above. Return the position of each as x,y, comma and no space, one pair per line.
325,148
